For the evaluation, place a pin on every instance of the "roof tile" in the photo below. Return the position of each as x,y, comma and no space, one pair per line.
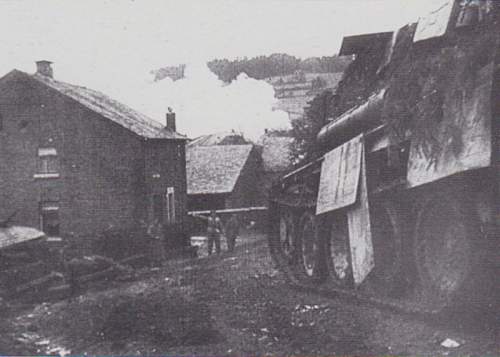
111,109
215,169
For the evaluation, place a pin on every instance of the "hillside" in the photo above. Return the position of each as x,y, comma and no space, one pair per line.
295,81
277,64
294,92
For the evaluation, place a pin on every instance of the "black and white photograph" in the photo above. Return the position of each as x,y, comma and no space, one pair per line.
249,178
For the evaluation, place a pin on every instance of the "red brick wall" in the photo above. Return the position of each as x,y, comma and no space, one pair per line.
168,160
102,165
18,147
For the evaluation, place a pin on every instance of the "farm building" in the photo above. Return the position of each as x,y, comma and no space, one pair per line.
222,176
74,162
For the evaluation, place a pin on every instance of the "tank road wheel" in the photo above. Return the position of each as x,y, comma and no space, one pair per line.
443,251
286,236
337,247
282,236
388,229
309,257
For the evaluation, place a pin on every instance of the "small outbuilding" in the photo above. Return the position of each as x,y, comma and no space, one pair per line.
223,176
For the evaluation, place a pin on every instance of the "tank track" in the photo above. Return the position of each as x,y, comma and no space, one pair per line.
328,289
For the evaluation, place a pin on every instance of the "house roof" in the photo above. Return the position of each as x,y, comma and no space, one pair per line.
221,138
110,109
17,234
215,169
276,153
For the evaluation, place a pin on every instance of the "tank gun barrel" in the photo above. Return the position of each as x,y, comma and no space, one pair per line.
354,121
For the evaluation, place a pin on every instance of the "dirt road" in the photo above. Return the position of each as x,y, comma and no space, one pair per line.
225,305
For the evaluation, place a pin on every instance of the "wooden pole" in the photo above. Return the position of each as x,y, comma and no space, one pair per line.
229,210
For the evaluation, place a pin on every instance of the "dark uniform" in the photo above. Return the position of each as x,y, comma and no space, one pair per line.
214,231
232,231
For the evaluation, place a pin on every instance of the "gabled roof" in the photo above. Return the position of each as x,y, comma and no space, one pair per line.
109,108
215,169
222,138
276,151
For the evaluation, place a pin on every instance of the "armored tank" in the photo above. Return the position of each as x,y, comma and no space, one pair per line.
401,205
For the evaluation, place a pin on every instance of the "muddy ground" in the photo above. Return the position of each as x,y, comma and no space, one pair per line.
225,305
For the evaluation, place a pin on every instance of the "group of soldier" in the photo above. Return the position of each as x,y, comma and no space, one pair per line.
215,231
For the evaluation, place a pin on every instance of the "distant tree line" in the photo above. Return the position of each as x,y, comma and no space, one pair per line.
277,64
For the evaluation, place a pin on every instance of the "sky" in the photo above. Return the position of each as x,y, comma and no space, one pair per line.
112,46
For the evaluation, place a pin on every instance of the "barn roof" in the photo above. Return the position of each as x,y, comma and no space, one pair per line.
110,109
215,169
276,153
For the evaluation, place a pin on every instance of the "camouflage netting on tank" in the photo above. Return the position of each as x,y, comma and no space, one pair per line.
425,81
427,88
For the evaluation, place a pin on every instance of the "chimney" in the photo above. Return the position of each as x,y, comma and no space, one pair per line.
44,68
170,120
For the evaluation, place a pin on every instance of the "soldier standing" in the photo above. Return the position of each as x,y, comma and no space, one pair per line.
214,231
232,231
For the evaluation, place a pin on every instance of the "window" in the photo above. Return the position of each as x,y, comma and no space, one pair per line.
48,163
158,207
49,218
170,205
179,150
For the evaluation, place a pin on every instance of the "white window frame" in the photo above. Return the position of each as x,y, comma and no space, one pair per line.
48,207
43,162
